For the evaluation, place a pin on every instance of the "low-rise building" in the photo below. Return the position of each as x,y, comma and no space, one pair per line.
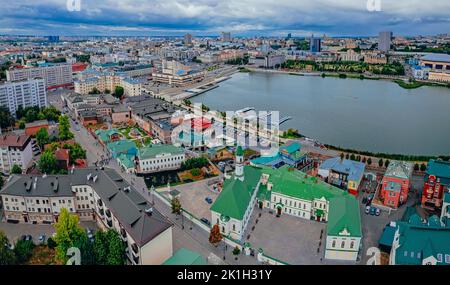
32,128
343,173
396,183
437,180
157,158
421,242
101,195
15,149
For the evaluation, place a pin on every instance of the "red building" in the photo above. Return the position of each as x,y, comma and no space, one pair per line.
78,67
31,129
396,183
437,179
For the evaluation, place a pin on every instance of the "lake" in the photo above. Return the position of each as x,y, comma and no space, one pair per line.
371,115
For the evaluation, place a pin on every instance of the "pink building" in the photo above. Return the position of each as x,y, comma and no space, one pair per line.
396,181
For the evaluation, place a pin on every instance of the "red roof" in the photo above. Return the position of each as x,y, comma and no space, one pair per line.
62,154
13,140
77,67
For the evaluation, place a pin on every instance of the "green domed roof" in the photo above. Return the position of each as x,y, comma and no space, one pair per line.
239,151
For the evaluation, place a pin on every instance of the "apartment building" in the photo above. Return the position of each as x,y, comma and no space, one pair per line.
26,93
55,75
131,86
95,194
15,149
177,74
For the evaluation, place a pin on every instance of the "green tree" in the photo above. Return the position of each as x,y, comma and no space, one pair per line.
380,162
16,169
64,128
416,167
386,163
101,248
116,249
342,156
22,124
369,161
352,157
7,256
42,137
176,206
51,243
6,119
23,250
51,113
2,182
47,163
119,91
423,167
67,233
31,115
86,248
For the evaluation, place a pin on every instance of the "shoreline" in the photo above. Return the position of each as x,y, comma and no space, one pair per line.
400,81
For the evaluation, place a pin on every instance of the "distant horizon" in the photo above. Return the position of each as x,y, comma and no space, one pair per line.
243,18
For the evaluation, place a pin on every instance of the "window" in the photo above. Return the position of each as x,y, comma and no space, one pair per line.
342,244
333,244
439,257
447,258
352,244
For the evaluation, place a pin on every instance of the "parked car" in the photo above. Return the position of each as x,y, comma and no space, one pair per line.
90,234
367,210
205,221
42,239
377,212
26,237
373,211
208,200
364,200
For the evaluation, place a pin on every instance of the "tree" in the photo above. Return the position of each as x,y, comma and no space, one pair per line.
423,167
16,169
100,248
116,249
196,172
236,251
51,113
42,137
23,250
75,152
386,163
2,182
51,243
67,233
119,91
107,91
47,163
7,256
352,157
64,128
416,167
86,248
342,156
380,162
215,236
369,161
22,124
176,206
6,119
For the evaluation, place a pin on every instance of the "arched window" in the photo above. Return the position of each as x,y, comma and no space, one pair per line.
343,244
234,228
333,244
352,244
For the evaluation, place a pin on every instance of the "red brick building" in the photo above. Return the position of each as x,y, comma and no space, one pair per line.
437,179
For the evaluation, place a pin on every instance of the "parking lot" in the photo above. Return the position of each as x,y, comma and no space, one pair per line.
192,197
15,231
290,239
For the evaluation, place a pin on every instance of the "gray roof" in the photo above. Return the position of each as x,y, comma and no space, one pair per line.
439,57
127,206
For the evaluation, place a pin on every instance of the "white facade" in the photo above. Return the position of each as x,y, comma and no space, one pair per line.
27,93
342,247
54,75
161,162
19,155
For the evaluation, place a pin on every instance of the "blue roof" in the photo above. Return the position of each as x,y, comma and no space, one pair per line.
354,169
440,57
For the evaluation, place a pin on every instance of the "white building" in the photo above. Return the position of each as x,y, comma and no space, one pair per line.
15,150
55,75
93,194
157,158
27,93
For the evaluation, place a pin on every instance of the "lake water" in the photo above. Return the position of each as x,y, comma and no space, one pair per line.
372,115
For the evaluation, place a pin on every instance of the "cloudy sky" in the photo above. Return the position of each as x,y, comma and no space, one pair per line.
210,17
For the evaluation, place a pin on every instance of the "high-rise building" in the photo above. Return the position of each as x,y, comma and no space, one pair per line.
289,36
54,39
226,36
187,39
25,93
384,41
55,75
315,44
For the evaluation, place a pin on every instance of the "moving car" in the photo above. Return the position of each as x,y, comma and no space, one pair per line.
208,200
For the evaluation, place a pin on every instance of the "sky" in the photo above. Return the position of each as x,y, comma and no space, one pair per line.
210,17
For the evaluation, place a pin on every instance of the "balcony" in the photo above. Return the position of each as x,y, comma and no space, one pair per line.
109,223
135,249
99,203
123,234
108,215
101,211
136,259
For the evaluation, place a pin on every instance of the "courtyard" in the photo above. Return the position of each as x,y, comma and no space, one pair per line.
287,238
192,197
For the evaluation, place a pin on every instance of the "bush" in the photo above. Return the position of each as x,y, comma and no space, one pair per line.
236,251
196,172
51,243
23,250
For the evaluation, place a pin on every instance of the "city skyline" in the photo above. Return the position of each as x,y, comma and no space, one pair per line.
209,18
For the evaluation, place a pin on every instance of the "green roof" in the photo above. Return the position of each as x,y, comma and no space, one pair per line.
299,185
104,135
158,149
235,197
344,216
126,160
239,151
185,256
440,169
122,146
419,241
